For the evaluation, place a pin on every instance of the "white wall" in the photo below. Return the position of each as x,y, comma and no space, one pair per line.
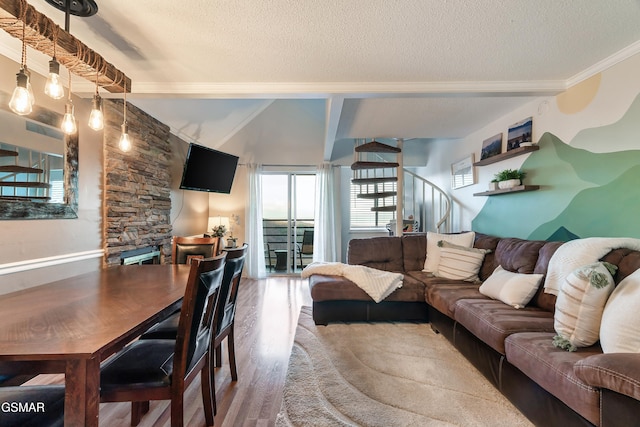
28,245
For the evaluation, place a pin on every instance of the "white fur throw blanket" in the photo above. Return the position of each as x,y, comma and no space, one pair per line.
578,253
378,284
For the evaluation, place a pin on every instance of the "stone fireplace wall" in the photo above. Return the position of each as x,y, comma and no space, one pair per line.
137,203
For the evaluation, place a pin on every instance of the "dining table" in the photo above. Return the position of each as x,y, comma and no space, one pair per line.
71,325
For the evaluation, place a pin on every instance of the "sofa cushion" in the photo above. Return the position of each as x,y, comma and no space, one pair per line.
442,294
514,289
485,241
433,250
337,288
553,369
493,321
542,299
459,262
414,251
580,304
620,320
383,253
518,255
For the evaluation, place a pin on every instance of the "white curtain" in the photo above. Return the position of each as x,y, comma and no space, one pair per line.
255,265
326,228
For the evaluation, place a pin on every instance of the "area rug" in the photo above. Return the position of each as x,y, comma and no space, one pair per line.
385,374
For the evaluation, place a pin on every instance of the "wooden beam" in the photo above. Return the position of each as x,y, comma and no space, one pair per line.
70,52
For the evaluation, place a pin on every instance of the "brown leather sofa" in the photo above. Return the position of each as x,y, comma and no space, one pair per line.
511,347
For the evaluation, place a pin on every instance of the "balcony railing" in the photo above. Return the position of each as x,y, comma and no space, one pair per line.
275,236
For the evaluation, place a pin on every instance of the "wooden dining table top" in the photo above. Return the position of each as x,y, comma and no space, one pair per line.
86,315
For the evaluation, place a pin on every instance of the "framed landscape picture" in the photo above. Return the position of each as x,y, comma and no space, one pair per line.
491,146
520,133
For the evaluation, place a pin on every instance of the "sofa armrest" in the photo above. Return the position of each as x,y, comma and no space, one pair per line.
619,372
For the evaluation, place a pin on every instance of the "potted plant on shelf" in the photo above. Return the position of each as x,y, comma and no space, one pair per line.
509,178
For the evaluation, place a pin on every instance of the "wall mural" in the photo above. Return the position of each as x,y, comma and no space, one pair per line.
584,192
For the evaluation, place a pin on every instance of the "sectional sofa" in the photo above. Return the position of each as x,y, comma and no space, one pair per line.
512,347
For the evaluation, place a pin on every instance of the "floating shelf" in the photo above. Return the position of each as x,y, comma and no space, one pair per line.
509,154
517,189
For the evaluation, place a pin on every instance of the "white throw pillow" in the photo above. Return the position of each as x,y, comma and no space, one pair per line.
459,262
433,251
514,289
580,305
620,320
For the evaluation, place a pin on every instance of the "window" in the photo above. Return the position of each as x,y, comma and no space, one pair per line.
361,214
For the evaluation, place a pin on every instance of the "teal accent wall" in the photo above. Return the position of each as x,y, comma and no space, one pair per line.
583,193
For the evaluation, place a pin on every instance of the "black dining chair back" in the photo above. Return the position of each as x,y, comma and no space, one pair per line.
225,320
160,369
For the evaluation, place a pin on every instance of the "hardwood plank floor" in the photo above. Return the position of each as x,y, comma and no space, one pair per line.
266,320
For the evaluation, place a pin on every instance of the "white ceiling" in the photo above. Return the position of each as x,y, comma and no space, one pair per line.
381,68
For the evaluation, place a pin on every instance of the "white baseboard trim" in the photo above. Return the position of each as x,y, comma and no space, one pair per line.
32,264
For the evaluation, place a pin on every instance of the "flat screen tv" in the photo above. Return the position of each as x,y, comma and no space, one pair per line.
208,170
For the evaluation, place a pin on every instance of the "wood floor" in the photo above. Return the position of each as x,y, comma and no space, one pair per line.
266,320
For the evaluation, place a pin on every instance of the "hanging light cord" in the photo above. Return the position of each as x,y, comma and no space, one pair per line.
55,40
125,102
69,71
23,18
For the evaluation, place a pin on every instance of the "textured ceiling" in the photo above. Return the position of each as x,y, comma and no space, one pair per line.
413,68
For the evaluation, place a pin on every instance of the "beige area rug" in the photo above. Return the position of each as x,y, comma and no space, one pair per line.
385,374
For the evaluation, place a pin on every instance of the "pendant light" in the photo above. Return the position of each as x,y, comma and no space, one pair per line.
53,87
96,118
125,142
69,121
21,101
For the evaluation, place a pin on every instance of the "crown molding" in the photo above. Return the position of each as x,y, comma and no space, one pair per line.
605,64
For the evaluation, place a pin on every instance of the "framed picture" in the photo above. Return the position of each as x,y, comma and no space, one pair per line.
462,172
520,133
491,146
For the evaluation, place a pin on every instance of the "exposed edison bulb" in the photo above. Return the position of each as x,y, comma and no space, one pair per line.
125,142
69,121
53,87
20,102
96,118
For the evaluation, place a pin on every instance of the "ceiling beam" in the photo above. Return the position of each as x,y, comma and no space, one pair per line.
72,53
334,111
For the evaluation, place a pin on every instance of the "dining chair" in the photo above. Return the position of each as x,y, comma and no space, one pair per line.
183,249
161,369
43,406
223,317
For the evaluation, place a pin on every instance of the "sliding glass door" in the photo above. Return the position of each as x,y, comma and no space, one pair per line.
288,210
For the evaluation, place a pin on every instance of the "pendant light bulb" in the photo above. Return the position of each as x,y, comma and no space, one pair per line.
96,118
20,102
69,121
125,142
53,87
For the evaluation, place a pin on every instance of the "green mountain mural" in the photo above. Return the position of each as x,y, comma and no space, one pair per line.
581,194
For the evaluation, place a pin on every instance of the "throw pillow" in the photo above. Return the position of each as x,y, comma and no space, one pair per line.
620,321
459,262
514,289
433,251
580,305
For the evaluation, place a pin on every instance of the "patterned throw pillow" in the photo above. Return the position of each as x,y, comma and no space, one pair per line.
459,262
580,305
433,251
514,289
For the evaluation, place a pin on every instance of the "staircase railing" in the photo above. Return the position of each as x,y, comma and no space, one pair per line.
427,202
420,200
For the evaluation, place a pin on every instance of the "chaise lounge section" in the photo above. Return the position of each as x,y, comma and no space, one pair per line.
512,347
